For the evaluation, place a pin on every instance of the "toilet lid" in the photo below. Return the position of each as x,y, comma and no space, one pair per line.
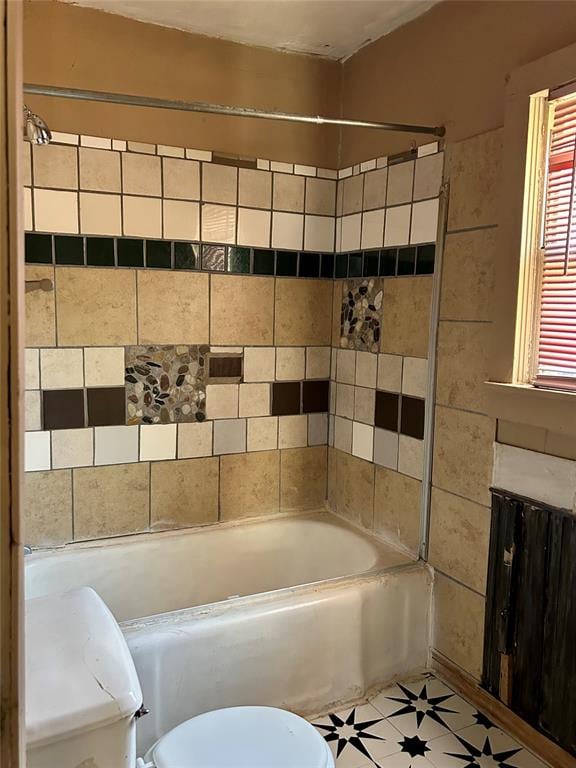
243,737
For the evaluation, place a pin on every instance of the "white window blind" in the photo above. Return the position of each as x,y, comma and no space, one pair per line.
557,326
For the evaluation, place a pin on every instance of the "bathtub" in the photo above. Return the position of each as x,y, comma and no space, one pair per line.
299,612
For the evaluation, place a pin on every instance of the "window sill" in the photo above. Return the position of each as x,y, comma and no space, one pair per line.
522,403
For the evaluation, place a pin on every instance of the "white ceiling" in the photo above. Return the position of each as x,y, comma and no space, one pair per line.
331,28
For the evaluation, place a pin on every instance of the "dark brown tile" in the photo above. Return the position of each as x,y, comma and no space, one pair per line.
63,408
315,396
386,413
285,398
225,367
106,406
412,417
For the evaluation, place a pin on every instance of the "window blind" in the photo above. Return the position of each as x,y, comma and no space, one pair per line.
557,323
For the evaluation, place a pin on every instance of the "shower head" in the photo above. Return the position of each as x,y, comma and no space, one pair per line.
35,129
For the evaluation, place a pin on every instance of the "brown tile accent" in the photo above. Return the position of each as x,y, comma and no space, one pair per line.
225,367
386,415
412,417
63,408
315,396
106,406
285,398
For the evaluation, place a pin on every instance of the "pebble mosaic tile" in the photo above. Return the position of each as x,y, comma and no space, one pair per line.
361,315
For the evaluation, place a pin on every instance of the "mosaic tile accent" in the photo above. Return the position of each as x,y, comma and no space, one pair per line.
361,315
165,384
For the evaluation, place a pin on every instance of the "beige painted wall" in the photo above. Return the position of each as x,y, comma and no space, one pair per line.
81,48
448,67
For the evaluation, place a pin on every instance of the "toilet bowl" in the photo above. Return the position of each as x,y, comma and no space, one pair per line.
83,699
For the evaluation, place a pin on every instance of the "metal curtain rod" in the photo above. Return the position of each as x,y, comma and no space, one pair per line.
220,109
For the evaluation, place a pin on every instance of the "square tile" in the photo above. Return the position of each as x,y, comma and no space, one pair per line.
254,227
61,368
387,410
100,251
415,377
411,456
116,445
303,312
32,410
157,442
406,316
218,223
364,405
222,401
386,448
68,249
63,408
315,396
351,232
287,230
319,233
352,193
346,366
173,307
48,523
317,429
186,256
259,363
254,188
130,252
263,261
362,440
55,166
285,398
318,362
428,176
36,451
214,258
303,478
366,365
219,183
345,400
321,196
248,298
56,211
263,434
343,434
290,363
372,229
38,248
181,220
249,485
292,431
99,170
72,448
142,216
181,179
183,493
104,366
141,175
100,214
424,227
106,406
397,227
229,436
375,189
194,440
158,254
400,182
254,400
288,192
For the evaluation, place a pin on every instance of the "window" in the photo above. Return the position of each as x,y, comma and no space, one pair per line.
556,336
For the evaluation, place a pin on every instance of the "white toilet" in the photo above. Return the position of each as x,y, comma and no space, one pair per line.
83,699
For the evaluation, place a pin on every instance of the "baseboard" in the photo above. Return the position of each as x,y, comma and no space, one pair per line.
530,738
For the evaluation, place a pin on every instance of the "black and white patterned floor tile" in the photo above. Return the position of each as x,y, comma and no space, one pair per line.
419,724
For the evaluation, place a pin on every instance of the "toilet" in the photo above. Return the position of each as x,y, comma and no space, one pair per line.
83,701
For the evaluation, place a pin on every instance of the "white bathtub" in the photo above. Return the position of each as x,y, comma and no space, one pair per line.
299,612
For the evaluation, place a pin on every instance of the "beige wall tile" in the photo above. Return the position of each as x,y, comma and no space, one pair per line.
32,368
254,188
346,366
352,192
459,538
218,223
61,368
183,493
458,624
55,166
411,456
364,400
375,189
468,275
100,214
463,445
47,508
317,428
254,227
254,400
397,500
415,376
141,175
406,316
345,400
288,192
318,362
287,230
27,206
259,363
99,170
181,179
181,220
343,434
262,433
172,307
219,183
303,314
194,440
522,435
249,485
40,310
332,491
321,196
366,365
222,401
390,373
241,310
319,233
96,307
428,176
72,448
355,489
55,211
400,180
292,431
32,410
463,349
26,149
303,478
142,216
473,169
111,501
290,363
104,366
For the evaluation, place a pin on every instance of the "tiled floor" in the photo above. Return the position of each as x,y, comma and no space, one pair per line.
419,724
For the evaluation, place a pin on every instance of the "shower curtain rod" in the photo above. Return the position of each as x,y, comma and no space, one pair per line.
221,109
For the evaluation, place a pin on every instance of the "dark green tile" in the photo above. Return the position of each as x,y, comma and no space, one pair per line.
263,262
309,265
425,258
355,265
286,263
38,249
406,261
100,251
327,265
388,262
238,260
186,256
130,252
341,269
68,250
371,263
159,254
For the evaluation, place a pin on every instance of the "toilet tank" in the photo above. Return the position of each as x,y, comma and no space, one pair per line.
82,690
